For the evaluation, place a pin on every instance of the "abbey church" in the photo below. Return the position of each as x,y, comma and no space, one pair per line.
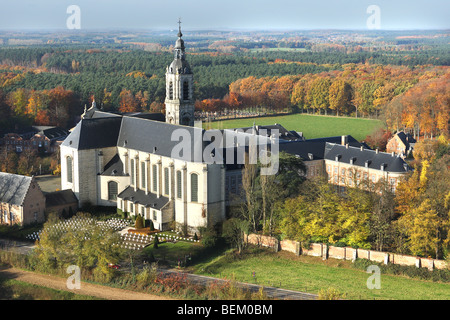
128,161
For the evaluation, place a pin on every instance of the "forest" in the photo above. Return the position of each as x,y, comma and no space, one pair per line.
402,80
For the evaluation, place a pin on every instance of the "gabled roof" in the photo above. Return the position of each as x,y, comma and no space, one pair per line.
13,188
406,138
374,159
114,167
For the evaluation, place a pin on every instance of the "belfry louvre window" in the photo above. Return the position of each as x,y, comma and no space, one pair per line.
112,190
171,90
194,187
179,184
155,177
185,90
69,169
166,181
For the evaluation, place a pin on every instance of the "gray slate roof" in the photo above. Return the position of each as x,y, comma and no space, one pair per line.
146,135
392,163
94,133
58,198
149,200
13,188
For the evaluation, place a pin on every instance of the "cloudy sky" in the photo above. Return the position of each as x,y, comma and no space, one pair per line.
229,14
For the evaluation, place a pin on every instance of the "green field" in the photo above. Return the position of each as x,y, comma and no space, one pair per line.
312,126
311,274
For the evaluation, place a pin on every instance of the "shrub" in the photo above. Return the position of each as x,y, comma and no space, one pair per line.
139,222
151,226
330,294
156,242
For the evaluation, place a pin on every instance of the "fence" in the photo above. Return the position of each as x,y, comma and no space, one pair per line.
345,253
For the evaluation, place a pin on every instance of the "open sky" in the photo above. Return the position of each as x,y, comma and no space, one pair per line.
229,14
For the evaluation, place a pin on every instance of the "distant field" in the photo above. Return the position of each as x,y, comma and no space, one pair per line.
279,49
312,126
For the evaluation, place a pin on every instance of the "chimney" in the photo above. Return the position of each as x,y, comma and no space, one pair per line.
376,151
362,148
393,153
344,140
346,146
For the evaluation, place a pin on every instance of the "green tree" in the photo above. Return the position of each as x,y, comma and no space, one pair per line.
234,231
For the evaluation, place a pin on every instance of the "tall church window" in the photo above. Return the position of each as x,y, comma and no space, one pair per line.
132,172
194,187
69,164
112,190
166,181
179,184
143,184
185,90
155,177
171,90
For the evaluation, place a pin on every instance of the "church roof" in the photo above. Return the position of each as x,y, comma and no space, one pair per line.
155,136
94,133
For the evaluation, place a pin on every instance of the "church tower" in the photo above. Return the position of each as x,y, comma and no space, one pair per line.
179,87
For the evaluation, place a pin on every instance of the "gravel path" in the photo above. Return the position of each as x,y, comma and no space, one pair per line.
87,289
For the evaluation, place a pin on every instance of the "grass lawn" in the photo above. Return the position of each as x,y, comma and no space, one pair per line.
311,274
312,126
171,252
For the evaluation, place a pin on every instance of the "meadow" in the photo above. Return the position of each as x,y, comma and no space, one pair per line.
312,126
311,274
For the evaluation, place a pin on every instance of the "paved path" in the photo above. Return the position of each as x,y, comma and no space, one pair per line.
276,293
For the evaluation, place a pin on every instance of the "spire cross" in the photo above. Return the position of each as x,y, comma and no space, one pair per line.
179,27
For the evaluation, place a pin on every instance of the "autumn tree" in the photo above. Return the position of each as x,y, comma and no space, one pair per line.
127,102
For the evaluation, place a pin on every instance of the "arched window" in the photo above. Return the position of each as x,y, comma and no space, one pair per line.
194,187
171,90
112,190
185,90
69,164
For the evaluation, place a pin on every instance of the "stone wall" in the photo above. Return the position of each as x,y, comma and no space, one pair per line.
345,253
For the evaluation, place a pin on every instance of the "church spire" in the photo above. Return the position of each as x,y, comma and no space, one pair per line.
179,28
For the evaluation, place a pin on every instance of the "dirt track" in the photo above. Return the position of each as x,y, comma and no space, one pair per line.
86,288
